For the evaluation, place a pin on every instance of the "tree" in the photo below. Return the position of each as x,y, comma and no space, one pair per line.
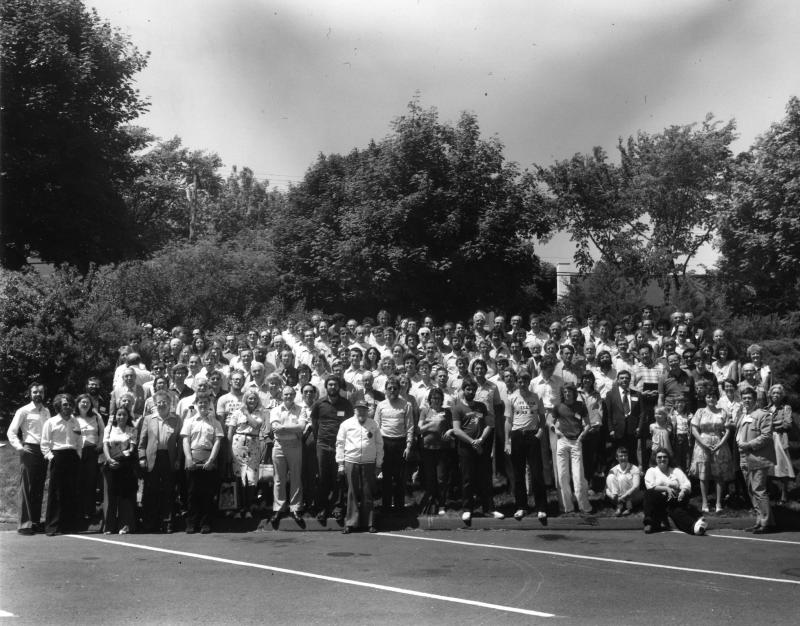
649,215
174,187
432,217
759,234
67,96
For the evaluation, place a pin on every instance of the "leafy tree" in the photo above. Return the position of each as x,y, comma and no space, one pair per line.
67,95
171,183
649,215
432,217
57,329
759,234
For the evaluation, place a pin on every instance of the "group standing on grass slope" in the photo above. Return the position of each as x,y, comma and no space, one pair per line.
329,416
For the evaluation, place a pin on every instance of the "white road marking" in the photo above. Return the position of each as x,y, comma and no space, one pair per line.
584,557
334,579
794,543
6,614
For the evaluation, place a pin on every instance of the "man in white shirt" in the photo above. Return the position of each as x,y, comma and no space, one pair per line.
25,435
622,483
359,456
547,387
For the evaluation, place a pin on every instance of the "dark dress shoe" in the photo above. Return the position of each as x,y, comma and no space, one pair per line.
346,530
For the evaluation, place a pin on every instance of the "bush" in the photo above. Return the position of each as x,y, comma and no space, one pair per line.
58,330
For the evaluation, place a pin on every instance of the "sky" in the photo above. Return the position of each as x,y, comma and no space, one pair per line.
270,84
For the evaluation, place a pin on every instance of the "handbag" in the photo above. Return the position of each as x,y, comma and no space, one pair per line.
266,470
228,496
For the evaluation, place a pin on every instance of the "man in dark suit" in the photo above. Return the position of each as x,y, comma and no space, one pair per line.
622,413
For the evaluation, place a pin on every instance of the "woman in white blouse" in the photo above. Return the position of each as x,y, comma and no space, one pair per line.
667,495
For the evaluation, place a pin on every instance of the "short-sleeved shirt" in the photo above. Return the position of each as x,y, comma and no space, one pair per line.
202,434
326,418
473,416
571,419
523,409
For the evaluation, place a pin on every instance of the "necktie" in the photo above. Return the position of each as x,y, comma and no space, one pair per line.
626,403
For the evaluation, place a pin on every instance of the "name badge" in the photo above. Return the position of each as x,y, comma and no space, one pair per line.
747,420
339,413
634,399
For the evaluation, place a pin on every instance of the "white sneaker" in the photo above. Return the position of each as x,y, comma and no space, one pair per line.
442,512
498,515
124,530
700,527
466,516
519,514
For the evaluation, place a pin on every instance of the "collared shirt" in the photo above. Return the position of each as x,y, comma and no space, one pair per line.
488,393
293,417
61,434
359,443
395,419
547,390
626,478
571,420
164,428
604,381
420,392
29,421
326,418
202,433
677,386
646,378
354,376
674,478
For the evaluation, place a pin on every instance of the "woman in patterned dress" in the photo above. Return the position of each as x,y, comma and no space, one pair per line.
781,424
711,460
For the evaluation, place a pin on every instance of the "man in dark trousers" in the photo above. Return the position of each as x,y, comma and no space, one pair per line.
622,413
327,415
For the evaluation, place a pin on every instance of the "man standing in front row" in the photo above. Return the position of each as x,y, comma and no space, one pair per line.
359,455
757,456
327,415
25,434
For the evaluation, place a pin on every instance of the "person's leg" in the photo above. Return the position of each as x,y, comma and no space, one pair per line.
484,481
655,506
192,499
54,490
563,453
109,501
534,462
467,462
281,466
327,476
208,483
519,455
578,478
704,493
367,505
429,477
32,469
88,480
294,461
354,487
309,471
683,516
758,493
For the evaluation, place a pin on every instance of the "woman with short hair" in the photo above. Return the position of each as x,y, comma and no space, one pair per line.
781,413
667,496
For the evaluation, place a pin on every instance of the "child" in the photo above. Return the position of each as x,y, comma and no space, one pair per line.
660,433
680,428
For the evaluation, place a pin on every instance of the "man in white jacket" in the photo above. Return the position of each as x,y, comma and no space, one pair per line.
359,455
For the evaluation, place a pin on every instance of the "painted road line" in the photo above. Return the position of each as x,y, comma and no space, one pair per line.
334,579
601,559
6,614
785,541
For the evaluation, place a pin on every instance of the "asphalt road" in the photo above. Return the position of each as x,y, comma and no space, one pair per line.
442,577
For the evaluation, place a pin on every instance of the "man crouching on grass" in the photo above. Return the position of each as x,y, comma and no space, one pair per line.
359,455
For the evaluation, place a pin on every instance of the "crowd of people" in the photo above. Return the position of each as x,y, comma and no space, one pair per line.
331,417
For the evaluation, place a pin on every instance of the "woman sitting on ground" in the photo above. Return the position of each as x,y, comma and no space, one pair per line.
667,495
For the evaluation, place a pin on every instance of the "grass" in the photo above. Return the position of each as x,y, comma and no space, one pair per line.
9,484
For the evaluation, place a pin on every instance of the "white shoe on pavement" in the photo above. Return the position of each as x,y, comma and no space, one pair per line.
519,514
498,515
466,516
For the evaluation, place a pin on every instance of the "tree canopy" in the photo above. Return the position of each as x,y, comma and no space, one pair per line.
759,234
649,215
432,217
67,95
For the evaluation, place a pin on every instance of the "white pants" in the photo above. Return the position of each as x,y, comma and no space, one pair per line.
569,455
288,462
615,485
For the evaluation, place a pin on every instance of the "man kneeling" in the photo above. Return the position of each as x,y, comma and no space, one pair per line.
622,484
